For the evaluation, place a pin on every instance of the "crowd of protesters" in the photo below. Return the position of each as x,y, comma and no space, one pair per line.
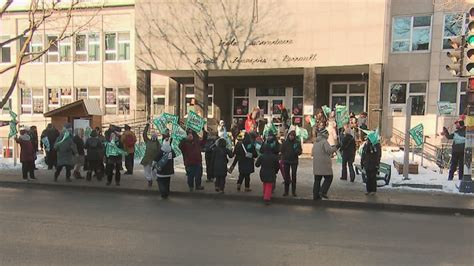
247,146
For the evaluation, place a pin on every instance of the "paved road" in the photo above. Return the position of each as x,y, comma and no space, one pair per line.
64,227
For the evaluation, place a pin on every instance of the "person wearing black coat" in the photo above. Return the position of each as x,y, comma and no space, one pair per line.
94,156
220,155
370,161
290,151
245,153
34,140
113,162
79,159
52,134
164,173
457,153
348,152
268,163
208,148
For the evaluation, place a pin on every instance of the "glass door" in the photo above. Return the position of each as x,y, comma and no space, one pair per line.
270,108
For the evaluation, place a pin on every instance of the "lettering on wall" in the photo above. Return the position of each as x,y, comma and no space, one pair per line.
258,60
234,42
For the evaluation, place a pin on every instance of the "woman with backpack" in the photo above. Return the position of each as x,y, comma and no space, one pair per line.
220,155
245,153
164,166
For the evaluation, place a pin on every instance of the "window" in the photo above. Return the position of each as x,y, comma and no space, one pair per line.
6,108
351,94
65,50
159,98
110,46
124,101
454,25
81,93
32,101
110,101
34,48
58,97
87,47
454,93
411,33
53,54
5,56
191,99
240,105
271,91
124,46
297,106
399,93
94,93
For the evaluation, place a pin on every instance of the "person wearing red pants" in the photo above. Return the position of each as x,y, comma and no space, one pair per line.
268,163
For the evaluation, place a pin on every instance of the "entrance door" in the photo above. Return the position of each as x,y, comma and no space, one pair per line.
270,107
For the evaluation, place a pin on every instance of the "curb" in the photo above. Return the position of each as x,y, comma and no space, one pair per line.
343,204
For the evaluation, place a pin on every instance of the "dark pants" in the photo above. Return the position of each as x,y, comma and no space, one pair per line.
51,157
371,182
164,186
290,179
209,169
129,160
220,182
321,190
60,168
348,163
109,170
94,166
241,179
457,160
28,167
194,174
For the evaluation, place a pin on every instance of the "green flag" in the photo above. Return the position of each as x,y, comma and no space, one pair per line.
326,110
195,122
373,136
417,134
270,127
177,132
13,123
312,121
160,124
140,150
66,134
301,133
342,115
111,149
173,119
175,147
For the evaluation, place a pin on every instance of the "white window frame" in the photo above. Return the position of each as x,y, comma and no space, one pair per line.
117,100
26,105
464,28
459,93
88,44
123,97
157,95
76,92
290,111
348,93
2,39
64,43
410,50
408,94
78,52
34,44
8,105
210,112
117,44
240,97
48,53
123,42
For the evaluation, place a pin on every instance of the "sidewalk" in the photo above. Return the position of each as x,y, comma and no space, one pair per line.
342,193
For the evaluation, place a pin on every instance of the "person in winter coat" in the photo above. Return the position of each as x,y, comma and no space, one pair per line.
220,155
235,130
457,153
78,139
268,163
273,143
27,155
34,140
152,149
128,140
50,134
208,148
191,148
370,161
66,150
164,172
290,151
245,154
95,159
113,160
348,150
322,165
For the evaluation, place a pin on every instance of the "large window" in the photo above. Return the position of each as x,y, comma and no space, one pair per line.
58,97
454,25
65,50
87,47
297,106
53,52
399,93
6,108
117,46
190,99
32,101
350,94
81,93
5,56
159,97
117,101
411,33
454,93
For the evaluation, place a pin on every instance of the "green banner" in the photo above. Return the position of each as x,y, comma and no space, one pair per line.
445,108
160,124
342,115
372,136
111,149
301,133
175,147
417,134
140,150
65,136
326,110
173,119
195,122
178,133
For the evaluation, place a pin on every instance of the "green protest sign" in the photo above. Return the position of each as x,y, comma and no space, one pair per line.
173,119
175,147
445,108
326,110
417,134
372,136
160,124
342,115
140,150
301,133
112,149
178,133
13,123
195,122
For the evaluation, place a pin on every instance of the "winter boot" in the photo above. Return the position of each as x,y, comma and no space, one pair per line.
239,186
89,176
287,188
293,189
247,189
